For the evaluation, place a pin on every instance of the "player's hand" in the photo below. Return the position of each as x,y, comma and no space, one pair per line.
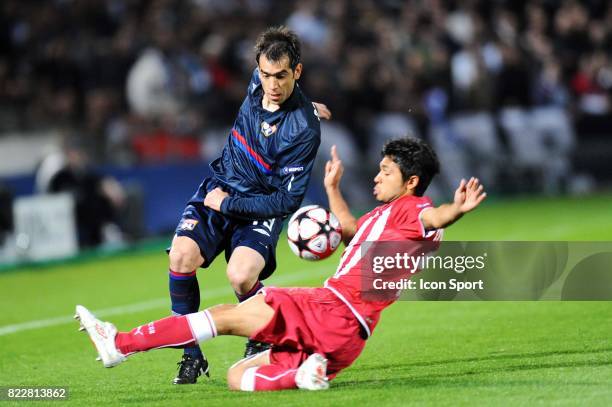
322,111
214,199
333,170
469,195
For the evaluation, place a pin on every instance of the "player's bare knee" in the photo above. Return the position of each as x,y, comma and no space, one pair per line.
242,278
184,260
234,377
179,261
242,285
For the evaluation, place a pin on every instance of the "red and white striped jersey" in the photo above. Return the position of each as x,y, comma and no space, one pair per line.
398,220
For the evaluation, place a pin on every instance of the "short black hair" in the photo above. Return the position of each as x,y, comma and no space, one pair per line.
414,157
277,42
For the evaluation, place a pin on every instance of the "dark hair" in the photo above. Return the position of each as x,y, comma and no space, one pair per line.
277,42
414,157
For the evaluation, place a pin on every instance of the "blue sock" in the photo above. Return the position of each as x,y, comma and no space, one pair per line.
243,297
185,297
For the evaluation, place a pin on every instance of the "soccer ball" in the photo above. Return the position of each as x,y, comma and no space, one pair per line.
314,233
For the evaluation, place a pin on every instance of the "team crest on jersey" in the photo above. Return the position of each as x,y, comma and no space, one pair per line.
267,130
188,224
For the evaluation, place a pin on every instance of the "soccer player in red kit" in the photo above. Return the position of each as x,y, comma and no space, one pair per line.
314,332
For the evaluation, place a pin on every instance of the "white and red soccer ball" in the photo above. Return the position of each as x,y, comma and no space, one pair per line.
314,233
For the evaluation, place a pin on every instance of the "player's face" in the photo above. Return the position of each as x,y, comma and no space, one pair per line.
277,78
388,183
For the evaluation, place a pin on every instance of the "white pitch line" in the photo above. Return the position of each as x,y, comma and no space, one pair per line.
217,292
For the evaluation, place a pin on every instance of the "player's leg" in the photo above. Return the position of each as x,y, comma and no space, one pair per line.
244,319
236,371
185,330
276,317
197,242
279,370
258,374
185,258
175,331
243,269
252,258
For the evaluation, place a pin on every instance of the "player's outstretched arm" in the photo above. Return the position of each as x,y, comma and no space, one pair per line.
333,173
467,197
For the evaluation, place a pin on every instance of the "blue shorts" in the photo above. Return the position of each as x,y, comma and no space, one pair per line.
215,232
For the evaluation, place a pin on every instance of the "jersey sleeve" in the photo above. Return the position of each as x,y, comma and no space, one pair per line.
295,168
408,219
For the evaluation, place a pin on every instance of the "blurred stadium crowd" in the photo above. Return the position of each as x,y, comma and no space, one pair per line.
500,88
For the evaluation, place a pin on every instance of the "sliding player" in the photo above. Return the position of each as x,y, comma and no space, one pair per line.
315,332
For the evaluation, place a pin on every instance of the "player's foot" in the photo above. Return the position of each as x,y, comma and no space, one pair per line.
312,374
190,368
102,334
255,347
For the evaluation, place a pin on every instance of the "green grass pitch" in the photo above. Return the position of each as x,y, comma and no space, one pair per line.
432,353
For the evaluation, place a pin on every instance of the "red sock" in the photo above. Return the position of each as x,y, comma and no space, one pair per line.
274,377
170,332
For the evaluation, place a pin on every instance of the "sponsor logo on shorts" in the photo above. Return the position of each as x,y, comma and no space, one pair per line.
188,224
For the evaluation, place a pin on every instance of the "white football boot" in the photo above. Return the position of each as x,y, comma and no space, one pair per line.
102,334
311,374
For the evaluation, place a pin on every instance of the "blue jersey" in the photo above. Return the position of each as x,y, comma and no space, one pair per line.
268,158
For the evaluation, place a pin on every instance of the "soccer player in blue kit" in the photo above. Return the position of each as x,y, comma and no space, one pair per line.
259,179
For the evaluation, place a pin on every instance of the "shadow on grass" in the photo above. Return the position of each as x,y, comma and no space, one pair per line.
492,357
433,379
